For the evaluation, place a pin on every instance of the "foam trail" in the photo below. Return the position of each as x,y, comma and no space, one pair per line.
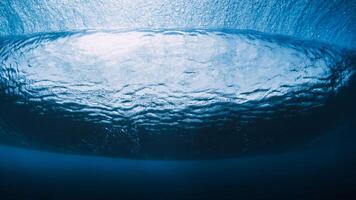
170,93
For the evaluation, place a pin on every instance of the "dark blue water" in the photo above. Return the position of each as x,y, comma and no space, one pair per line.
323,169
177,99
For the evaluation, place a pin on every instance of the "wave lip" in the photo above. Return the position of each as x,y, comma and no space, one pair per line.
170,93
327,21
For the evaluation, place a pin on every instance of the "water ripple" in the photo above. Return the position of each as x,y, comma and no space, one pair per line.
166,93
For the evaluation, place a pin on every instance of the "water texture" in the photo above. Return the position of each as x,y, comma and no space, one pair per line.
177,99
331,21
171,94
174,79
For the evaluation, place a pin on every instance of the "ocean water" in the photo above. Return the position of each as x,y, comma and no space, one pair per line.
177,99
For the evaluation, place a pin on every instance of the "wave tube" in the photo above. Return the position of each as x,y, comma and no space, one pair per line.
331,21
170,94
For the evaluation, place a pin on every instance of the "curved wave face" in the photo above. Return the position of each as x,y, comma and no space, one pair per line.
331,21
170,93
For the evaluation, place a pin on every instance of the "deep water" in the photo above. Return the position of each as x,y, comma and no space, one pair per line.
177,99
323,169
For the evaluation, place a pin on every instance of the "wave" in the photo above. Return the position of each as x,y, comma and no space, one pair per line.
329,21
170,93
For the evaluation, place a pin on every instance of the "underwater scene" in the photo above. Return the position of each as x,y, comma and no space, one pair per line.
175,99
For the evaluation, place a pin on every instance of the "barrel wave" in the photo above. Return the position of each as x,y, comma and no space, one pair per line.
331,21
170,94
